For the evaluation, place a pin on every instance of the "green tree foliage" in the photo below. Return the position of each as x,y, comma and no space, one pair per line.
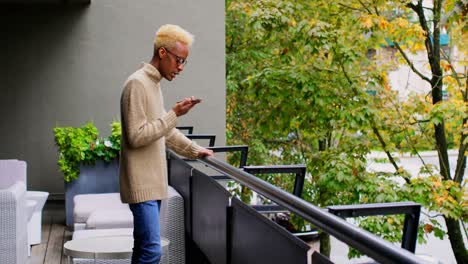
304,87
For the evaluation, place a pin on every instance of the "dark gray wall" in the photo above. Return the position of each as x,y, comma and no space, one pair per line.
62,65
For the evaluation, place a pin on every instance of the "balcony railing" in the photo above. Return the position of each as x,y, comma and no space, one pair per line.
222,229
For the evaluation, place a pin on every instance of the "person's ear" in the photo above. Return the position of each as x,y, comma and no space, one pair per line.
161,52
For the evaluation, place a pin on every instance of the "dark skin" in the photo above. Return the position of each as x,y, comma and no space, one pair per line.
165,60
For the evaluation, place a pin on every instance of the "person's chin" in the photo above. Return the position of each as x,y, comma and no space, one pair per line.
169,77
172,76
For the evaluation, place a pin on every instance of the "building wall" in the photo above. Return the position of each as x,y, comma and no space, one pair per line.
64,65
405,81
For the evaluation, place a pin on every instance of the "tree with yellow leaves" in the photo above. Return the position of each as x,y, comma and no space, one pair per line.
417,26
302,80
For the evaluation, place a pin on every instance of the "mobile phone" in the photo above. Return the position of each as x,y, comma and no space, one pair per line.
193,101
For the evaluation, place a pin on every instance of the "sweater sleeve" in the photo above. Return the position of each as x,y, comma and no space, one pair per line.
182,145
140,131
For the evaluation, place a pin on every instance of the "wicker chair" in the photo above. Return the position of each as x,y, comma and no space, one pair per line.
13,224
110,222
173,226
13,170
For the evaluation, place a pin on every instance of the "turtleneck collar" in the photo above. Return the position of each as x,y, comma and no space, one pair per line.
152,72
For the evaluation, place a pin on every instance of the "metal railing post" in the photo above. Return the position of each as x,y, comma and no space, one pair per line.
410,229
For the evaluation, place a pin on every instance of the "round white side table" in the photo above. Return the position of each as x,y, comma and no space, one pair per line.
108,248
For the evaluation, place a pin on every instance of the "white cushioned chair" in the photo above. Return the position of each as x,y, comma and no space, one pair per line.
87,204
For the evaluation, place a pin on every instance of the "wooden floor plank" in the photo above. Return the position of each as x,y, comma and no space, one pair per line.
55,244
38,252
67,237
53,234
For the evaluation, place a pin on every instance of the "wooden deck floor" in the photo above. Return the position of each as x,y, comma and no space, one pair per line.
54,235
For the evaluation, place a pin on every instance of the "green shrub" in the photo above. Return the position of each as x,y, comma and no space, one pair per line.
83,144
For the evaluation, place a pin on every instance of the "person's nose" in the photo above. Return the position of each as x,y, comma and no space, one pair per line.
180,67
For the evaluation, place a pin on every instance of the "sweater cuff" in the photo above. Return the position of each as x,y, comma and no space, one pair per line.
194,150
171,119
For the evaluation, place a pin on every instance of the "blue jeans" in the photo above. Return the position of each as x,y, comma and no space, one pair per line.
146,234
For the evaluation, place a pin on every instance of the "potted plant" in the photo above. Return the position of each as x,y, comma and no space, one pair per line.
89,163
297,226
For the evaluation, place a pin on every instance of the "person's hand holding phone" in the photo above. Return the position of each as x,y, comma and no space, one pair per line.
196,100
182,107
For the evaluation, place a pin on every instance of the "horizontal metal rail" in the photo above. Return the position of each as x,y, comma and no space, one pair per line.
188,128
356,210
411,210
367,243
243,149
298,170
210,137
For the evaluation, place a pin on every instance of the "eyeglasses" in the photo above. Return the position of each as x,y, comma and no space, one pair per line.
179,60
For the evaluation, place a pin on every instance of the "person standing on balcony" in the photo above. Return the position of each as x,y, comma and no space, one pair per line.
146,130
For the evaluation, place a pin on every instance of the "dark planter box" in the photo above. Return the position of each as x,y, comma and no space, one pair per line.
103,177
308,236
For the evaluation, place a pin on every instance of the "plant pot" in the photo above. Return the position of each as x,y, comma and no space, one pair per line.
308,236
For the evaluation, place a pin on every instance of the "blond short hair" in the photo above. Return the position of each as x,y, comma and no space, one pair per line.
168,35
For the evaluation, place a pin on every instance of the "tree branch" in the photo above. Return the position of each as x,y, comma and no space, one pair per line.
454,73
301,146
420,121
350,7
464,228
365,7
431,216
407,137
384,146
376,10
412,6
424,25
455,10
374,128
461,160
411,64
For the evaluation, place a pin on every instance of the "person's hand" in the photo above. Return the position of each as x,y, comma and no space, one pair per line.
182,107
205,153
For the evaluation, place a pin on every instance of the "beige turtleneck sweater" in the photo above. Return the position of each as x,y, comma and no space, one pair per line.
146,129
